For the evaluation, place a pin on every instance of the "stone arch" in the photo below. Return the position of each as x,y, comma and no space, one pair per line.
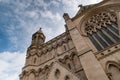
24,72
76,62
57,73
40,74
34,60
68,62
61,61
72,54
39,70
32,71
101,27
65,47
24,75
67,77
94,11
47,69
32,75
66,57
113,70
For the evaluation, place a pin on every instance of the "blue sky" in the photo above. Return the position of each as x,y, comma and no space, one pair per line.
19,19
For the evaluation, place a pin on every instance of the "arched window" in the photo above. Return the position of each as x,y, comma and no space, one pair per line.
69,63
114,71
34,60
25,77
31,76
57,73
102,30
69,66
41,75
76,62
67,78
65,47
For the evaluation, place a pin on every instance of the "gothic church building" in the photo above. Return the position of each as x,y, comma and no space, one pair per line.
89,49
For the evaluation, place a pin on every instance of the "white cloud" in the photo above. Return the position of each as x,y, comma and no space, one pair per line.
50,15
40,3
32,14
87,2
71,6
55,2
11,65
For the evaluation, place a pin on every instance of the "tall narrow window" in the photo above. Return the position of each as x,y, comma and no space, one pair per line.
31,76
65,48
67,78
34,60
69,66
76,63
57,73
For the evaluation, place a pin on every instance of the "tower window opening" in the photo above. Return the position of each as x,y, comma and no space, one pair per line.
34,60
69,66
57,73
65,48
67,78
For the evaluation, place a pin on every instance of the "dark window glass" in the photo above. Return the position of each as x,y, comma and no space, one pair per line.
100,40
111,34
105,37
113,29
57,73
95,42
115,24
69,66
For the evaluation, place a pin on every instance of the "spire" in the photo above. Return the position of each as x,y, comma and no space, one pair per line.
40,30
38,38
66,16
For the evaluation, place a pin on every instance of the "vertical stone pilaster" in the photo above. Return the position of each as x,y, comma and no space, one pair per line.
78,40
92,67
90,64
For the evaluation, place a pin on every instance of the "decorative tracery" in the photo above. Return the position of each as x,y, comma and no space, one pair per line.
98,21
102,30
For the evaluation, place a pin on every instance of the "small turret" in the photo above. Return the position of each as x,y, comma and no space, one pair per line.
66,16
38,38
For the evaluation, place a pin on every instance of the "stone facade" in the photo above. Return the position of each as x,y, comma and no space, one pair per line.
89,49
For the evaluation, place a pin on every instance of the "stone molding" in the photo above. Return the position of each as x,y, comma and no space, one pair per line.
107,9
50,45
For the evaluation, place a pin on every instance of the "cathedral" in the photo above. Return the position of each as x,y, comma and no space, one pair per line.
89,49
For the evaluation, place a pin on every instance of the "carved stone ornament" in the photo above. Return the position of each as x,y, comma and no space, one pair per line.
98,21
98,18
41,71
108,72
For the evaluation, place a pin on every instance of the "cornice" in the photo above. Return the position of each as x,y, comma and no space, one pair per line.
108,51
44,70
52,44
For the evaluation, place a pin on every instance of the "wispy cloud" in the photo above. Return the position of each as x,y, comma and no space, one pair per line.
11,64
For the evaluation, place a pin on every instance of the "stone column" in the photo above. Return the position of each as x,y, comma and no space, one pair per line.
92,67
90,64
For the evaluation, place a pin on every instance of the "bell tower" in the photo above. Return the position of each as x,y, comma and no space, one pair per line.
38,38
